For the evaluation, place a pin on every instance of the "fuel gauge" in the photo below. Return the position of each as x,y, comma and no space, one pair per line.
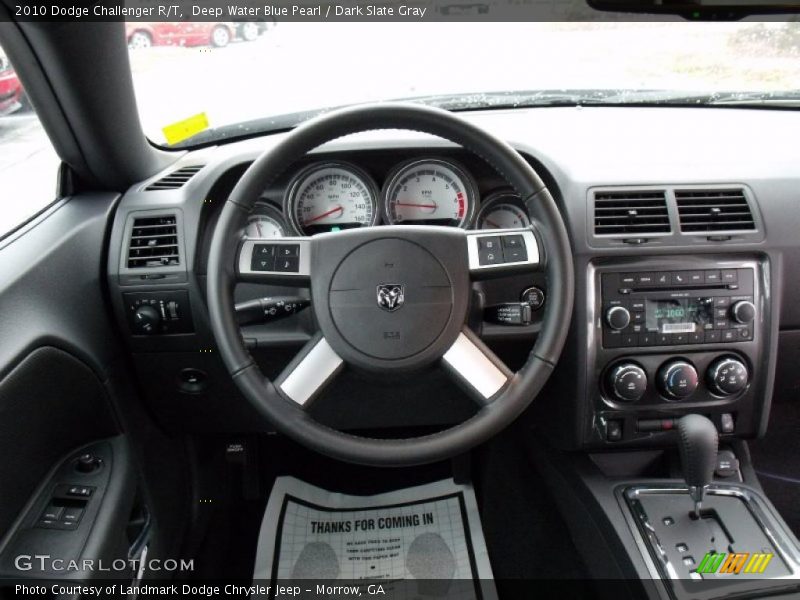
502,210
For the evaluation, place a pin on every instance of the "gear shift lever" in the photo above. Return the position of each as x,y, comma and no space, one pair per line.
697,442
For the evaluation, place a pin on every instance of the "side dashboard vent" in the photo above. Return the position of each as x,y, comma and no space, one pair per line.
176,179
702,211
154,242
631,212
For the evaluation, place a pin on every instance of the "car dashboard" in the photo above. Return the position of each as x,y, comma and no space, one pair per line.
683,224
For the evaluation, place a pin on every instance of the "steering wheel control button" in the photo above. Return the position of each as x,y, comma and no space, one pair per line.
677,380
618,317
513,248
287,250
489,251
288,264
628,382
533,297
728,376
263,257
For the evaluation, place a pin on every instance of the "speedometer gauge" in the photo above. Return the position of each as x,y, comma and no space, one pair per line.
502,210
430,192
331,196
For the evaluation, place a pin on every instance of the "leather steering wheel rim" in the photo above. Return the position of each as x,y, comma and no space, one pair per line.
494,415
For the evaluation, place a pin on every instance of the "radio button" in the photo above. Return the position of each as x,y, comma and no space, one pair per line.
722,302
721,324
712,337
627,279
712,276
679,339
663,339
696,337
637,305
745,333
729,335
612,339
680,278
646,279
696,277
638,317
729,276
630,340
720,313
647,339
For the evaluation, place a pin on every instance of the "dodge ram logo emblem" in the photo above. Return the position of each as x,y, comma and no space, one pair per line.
390,296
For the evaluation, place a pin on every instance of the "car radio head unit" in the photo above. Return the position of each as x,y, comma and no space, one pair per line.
669,308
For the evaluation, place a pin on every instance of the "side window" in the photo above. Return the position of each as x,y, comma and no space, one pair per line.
28,162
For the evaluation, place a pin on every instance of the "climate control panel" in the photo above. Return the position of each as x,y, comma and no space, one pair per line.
657,380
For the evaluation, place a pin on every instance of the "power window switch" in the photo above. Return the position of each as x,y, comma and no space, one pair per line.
80,491
72,514
52,513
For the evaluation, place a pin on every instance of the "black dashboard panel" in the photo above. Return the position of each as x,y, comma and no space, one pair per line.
708,152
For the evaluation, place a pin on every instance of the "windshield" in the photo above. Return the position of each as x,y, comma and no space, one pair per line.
236,79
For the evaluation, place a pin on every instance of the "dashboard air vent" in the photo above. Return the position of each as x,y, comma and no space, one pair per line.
176,179
630,212
714,210
154,242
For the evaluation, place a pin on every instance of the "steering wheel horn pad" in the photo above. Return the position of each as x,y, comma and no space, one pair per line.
396,299
391,298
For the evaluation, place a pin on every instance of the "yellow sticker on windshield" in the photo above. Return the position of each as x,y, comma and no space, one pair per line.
182,130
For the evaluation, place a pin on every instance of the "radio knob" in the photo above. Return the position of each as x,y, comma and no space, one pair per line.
618,317
677,379
628,382
743,312
728,376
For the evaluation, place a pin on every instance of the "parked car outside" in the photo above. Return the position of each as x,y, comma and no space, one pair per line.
12,95
179,33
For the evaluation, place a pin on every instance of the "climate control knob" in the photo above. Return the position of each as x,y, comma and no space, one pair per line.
677,379
743,312
727,376
146,319
628,382
618,317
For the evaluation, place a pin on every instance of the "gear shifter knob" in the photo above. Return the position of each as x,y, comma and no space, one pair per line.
697,443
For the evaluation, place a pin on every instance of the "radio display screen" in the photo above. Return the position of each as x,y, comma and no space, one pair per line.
678,315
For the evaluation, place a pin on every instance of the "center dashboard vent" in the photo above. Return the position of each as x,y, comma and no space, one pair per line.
176,179
702,211
630,212
154,242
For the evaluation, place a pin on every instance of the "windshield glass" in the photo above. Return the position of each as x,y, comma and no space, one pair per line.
238,78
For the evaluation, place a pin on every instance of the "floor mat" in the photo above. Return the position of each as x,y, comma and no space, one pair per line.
423,541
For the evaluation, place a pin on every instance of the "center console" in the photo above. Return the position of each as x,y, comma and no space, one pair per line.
669,337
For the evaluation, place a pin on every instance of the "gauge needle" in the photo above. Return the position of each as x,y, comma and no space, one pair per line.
492,223
415,205
258,228
323,215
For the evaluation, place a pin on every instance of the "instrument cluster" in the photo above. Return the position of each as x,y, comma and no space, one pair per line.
334,195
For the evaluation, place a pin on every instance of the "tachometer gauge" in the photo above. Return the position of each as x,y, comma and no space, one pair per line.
331,196
265,222
430,192
502,210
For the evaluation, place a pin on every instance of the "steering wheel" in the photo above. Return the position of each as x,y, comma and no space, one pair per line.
391,299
